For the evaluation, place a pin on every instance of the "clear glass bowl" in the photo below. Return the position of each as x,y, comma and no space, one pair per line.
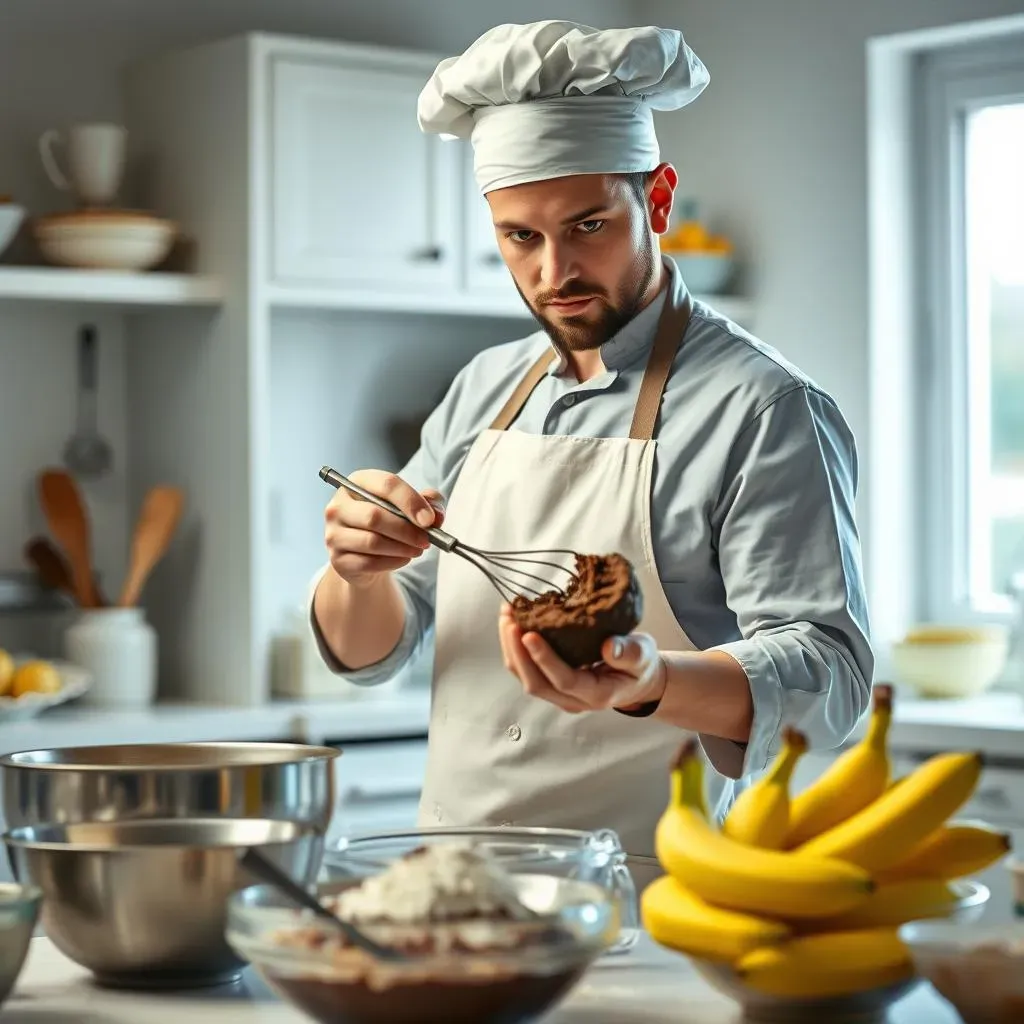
977,967
504,982
596,857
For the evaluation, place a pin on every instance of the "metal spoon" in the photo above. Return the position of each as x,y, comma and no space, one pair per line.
274,876
87,453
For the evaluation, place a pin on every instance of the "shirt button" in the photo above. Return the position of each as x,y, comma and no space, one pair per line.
569,400
514,733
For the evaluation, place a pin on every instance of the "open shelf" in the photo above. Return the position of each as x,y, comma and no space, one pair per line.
108,287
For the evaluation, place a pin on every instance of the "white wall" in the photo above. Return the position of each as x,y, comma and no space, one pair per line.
60,63
775,151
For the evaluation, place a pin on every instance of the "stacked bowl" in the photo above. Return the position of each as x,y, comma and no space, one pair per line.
133,850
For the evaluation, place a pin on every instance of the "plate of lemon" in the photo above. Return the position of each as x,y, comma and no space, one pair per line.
30,685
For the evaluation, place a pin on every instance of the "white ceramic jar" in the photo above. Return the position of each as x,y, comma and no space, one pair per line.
119,649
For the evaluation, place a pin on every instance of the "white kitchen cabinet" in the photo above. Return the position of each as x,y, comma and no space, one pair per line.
485,272
361,197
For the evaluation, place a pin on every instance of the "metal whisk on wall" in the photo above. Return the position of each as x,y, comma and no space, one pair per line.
503,568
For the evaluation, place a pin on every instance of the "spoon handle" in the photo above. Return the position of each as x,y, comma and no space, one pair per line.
273,875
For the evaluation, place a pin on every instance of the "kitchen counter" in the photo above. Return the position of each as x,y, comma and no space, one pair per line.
647,987
992,723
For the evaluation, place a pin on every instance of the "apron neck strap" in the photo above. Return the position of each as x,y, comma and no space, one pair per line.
672,326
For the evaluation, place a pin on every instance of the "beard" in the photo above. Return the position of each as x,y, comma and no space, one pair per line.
584,333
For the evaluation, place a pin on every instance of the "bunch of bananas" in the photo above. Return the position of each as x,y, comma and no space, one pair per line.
803,895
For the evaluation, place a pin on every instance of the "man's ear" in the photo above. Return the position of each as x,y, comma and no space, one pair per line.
660,192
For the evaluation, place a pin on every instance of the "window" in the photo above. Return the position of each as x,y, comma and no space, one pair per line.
971,365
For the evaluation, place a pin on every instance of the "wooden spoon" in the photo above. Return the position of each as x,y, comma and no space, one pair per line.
52,568
157,522
69,522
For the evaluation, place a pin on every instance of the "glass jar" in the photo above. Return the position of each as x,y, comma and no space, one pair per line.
596,857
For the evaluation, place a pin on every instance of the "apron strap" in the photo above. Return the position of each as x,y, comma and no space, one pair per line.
511,409
671,327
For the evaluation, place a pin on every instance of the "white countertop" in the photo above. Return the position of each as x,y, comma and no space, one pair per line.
992,723
648,986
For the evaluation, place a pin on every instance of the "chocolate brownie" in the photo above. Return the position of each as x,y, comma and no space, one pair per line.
603,600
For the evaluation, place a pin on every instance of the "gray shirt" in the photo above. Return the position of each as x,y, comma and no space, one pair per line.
752,510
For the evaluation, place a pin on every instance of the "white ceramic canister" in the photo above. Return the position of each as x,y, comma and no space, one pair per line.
118,647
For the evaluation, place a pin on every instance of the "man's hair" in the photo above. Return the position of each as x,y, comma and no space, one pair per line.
636,182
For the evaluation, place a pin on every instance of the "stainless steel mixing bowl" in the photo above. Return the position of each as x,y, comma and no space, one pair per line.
143,904
280,781
19,911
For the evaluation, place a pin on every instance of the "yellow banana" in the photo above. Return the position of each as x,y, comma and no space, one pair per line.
677,919
952,851
886,831
825,966
760,815
892,905
850,783
732,876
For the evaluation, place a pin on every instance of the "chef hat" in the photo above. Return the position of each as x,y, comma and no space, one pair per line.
554,98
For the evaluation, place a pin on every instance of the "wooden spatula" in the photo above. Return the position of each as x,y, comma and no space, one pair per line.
53,569
68,519
157,522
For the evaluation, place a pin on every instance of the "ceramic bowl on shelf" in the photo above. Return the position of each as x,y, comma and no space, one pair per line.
11,216
104,239
950,661
704,273
509,971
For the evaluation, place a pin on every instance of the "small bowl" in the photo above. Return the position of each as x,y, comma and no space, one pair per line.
704,273
143,904
11,217
583,856
978,968
946,662
510,985
104,239
19,912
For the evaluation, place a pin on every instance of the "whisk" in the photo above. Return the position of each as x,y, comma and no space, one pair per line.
502,568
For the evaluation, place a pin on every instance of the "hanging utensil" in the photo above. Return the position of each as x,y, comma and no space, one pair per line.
157,522
68,520
87,453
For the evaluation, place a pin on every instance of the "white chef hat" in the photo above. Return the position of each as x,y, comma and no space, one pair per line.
554,98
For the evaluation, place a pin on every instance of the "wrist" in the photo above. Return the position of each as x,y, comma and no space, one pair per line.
652,694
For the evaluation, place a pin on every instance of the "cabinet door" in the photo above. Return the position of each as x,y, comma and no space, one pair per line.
485,270
361,197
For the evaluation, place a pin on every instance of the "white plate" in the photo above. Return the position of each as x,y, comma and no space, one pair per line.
74,682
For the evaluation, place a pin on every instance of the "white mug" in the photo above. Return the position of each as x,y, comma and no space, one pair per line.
95,161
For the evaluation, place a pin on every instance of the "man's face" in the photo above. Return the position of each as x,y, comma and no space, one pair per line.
581,251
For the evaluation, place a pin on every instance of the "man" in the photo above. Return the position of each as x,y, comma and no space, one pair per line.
636,420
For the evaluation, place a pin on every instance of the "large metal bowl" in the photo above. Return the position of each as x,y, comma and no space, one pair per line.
19,911
279,781
143,904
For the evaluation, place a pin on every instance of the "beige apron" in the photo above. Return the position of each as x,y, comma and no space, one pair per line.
498,756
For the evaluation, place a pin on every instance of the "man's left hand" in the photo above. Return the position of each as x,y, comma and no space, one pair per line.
633,671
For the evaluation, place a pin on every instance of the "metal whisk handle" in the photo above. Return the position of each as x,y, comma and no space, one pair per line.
445,541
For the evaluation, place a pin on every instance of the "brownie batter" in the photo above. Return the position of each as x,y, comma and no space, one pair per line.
603,600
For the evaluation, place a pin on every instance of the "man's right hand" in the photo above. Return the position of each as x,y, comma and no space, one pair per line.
364,541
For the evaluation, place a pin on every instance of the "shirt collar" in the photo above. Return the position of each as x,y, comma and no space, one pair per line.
634,338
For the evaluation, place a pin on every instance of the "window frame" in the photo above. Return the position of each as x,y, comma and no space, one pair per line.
949,85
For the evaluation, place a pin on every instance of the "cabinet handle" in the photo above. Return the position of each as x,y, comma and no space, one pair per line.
432,253
492,259
993,797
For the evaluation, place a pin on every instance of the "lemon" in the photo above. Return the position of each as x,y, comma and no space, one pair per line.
6,672
35,677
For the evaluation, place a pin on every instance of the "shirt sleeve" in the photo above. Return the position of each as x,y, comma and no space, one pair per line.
790,558
416,581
